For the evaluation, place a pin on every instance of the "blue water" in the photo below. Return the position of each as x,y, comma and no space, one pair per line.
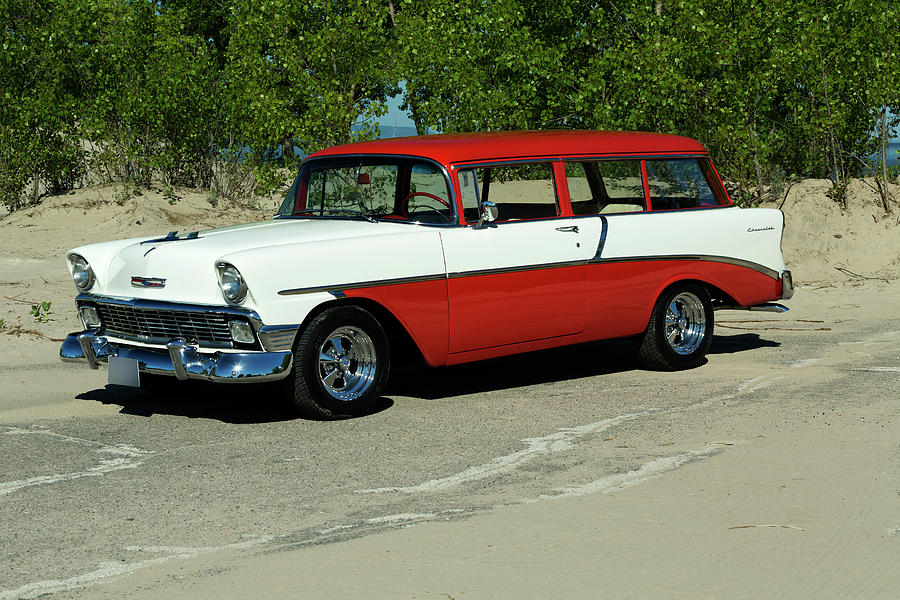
894,154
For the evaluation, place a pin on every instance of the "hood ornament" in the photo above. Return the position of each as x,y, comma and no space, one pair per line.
172,236
148,282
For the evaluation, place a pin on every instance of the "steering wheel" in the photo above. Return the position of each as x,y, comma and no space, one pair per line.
404,204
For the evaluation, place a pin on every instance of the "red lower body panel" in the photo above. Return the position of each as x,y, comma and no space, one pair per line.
623,293
486,316
510,308
422,310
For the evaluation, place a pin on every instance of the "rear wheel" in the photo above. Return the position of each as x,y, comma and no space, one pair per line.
680,331
341,364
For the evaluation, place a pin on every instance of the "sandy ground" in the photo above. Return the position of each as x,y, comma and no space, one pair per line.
773,471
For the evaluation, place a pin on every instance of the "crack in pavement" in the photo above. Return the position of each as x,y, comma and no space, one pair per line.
118,457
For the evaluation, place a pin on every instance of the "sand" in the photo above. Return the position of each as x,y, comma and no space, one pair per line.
770,472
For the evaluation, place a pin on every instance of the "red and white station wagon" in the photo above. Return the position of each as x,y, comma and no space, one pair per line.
469,246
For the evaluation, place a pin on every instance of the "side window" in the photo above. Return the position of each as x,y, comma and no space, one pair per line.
609,186
520,191
428,200
468,190
682,183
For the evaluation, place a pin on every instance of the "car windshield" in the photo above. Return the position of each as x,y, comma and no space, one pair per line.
377,188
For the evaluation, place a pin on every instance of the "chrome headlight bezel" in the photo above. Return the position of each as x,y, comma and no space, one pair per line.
231,283
82,273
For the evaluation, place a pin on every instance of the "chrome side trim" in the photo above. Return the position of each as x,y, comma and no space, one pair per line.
337,290
180,359
602,242
517,269
340,287
278,338
694,257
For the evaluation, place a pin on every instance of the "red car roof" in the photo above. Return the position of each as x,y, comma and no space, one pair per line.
463,147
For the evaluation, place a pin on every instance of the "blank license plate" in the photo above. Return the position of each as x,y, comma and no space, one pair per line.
124,371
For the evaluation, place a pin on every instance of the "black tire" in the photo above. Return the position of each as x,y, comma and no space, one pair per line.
341,364
680,331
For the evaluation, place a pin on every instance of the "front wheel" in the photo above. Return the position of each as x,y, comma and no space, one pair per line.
341,364
680,331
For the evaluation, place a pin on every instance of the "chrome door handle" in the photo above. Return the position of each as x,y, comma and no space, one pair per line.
570,229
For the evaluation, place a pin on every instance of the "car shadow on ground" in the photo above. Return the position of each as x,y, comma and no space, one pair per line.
741,342
262,403
235,404
545,366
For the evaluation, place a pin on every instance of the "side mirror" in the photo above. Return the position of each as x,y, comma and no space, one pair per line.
488,213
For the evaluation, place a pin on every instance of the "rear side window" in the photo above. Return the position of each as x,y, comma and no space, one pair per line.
521,191
683,183
610,186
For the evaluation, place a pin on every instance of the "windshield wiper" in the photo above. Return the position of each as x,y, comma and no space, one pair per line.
350,211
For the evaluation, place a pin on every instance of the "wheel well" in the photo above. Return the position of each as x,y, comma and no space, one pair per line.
399,340
717,295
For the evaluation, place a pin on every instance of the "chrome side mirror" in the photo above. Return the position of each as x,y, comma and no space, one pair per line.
488,213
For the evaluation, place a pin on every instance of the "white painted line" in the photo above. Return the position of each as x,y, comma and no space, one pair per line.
877,369
393,520
748,382
803,362
620,481
401,518
113,458
562,440
106,570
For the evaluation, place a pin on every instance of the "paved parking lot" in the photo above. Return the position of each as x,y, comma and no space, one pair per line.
771,471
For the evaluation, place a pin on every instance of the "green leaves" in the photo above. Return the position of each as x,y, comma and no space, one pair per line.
41,312
192,92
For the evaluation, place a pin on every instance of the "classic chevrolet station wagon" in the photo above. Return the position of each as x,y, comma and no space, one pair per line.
464,247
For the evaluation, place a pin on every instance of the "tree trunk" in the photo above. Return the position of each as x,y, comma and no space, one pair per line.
884,184
414,112
287,151
756,166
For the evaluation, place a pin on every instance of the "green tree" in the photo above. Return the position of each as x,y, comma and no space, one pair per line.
41,69
312,74
475,65
154,96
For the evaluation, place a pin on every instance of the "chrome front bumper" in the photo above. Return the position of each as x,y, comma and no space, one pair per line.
179,358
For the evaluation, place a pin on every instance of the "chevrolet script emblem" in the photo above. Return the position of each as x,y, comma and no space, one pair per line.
148,282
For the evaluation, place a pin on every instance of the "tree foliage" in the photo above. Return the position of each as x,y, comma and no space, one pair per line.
202,93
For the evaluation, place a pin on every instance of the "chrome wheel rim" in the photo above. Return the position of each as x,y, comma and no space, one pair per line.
685,323
347,363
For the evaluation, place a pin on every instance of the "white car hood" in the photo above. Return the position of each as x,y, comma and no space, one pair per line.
188,265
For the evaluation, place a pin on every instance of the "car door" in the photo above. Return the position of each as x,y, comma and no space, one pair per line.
522,277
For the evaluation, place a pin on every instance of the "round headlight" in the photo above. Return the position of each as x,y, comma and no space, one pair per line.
81,272
233,287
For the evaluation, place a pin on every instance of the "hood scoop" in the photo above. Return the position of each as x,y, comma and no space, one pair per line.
172,236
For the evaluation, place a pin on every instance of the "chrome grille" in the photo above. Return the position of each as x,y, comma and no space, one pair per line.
156,325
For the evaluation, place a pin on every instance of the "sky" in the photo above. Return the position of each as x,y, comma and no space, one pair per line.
395,117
